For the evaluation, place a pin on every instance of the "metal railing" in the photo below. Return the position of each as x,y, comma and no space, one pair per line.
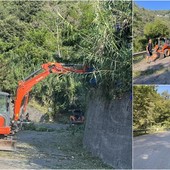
141,130
139,53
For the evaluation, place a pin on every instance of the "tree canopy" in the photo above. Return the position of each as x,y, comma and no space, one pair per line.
156,29
150,107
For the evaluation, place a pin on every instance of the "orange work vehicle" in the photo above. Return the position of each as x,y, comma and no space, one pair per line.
163,47
77,117
9,127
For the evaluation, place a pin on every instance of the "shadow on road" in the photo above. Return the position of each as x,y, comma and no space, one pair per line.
152,76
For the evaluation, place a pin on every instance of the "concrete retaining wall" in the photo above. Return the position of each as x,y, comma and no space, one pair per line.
108,131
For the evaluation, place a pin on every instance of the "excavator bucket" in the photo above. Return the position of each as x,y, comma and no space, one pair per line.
7,145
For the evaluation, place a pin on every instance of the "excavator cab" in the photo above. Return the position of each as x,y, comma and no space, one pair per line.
4,113
6,141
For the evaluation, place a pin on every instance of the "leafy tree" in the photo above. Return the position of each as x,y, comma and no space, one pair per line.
150,108
156,29
143,106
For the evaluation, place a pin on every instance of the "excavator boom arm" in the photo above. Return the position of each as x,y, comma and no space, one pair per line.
26,85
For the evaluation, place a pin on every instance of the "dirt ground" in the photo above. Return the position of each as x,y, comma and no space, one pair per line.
50,146
157,72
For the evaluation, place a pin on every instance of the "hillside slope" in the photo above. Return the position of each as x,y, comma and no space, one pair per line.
143,17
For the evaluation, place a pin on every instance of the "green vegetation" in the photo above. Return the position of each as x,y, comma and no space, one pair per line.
150,109
33,33
149,24
34,127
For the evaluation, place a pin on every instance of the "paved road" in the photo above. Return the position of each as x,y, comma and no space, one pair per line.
152,151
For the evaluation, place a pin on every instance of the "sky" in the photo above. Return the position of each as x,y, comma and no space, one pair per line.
153,5
162,88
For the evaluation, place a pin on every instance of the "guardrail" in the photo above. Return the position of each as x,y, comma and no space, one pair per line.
139,53
140,132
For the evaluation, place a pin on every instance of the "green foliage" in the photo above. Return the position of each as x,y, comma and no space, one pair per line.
150,108
32,33
140,43
156,29
34,127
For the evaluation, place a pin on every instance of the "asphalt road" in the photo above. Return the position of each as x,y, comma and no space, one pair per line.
152,151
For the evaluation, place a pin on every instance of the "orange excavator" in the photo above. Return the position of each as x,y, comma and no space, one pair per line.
163,47
8,126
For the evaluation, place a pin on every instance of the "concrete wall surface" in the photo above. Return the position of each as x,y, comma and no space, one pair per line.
108,130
